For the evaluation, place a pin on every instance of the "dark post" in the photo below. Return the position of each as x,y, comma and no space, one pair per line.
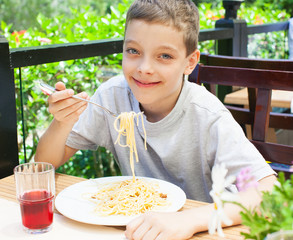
237,46
8,127
231,7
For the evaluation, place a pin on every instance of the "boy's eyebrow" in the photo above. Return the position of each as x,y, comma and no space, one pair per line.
129,41
163,47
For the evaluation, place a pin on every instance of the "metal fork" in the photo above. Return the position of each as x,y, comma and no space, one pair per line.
48,90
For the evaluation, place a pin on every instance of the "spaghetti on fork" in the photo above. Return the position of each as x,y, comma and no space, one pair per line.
134,196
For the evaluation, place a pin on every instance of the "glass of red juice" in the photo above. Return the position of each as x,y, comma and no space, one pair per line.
35,191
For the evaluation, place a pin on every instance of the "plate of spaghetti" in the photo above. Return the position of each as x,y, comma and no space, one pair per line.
114,201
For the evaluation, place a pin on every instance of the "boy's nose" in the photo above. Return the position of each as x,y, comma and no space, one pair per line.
145,66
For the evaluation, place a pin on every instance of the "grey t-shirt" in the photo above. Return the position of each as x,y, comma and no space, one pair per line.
181,148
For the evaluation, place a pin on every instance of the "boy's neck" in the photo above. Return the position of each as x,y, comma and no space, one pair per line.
156,112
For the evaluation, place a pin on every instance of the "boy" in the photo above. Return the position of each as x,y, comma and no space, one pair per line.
188,129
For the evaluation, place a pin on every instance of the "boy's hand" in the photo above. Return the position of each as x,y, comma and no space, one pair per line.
160,226
64,108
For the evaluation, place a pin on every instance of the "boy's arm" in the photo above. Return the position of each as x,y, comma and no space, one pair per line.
183,225
51,147
66,111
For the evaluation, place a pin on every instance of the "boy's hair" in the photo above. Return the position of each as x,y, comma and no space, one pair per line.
181,14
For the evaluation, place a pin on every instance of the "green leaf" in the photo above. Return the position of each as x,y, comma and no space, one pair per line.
275,212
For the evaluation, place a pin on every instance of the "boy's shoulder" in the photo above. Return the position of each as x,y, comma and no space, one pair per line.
201,98
116,81
116,84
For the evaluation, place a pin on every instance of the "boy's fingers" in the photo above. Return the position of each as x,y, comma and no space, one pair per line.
132,226
60,86
83,95
61,95
72,111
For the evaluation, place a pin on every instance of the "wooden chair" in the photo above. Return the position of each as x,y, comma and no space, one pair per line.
260,76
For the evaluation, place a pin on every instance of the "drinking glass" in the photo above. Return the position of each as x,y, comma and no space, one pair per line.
35,191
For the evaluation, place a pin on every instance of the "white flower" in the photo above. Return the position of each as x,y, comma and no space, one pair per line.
220,194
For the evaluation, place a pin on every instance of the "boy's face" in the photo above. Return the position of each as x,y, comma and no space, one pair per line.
154,61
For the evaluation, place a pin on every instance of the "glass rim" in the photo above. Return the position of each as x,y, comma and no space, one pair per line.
52,168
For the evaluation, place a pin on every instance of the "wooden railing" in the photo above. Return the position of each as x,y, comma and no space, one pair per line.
231,36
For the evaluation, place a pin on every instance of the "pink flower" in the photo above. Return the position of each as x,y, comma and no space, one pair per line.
21,32
45,40
17,35
245,180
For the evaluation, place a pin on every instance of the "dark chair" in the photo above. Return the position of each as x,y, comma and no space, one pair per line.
260,76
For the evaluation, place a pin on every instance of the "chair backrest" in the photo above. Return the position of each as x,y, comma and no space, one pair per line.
260,76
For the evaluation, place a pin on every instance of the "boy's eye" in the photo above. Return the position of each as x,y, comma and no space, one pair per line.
131,51
165,56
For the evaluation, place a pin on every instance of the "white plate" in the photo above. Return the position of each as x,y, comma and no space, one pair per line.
72,203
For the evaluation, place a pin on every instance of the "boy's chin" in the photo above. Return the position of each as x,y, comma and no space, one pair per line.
144,102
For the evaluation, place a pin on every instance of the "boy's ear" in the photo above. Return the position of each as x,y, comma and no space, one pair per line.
193,59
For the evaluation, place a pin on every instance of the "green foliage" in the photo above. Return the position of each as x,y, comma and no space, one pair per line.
275,212
286,5
22,13
272,45
266,45
88,164
214,3
208,15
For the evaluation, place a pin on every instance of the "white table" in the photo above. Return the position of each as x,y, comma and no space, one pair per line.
67,229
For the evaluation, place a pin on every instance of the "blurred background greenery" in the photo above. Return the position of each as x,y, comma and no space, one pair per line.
40,22
22,13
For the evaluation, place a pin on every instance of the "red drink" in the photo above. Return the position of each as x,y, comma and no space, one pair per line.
36,209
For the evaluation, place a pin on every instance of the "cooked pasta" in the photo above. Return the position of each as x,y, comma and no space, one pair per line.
126,128
134,196
129,198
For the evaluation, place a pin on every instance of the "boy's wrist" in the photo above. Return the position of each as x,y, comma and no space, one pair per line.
199,217
62,126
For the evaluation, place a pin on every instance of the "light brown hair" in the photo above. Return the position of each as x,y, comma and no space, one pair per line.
181,14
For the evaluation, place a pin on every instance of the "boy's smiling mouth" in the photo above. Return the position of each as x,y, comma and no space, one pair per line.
141,83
